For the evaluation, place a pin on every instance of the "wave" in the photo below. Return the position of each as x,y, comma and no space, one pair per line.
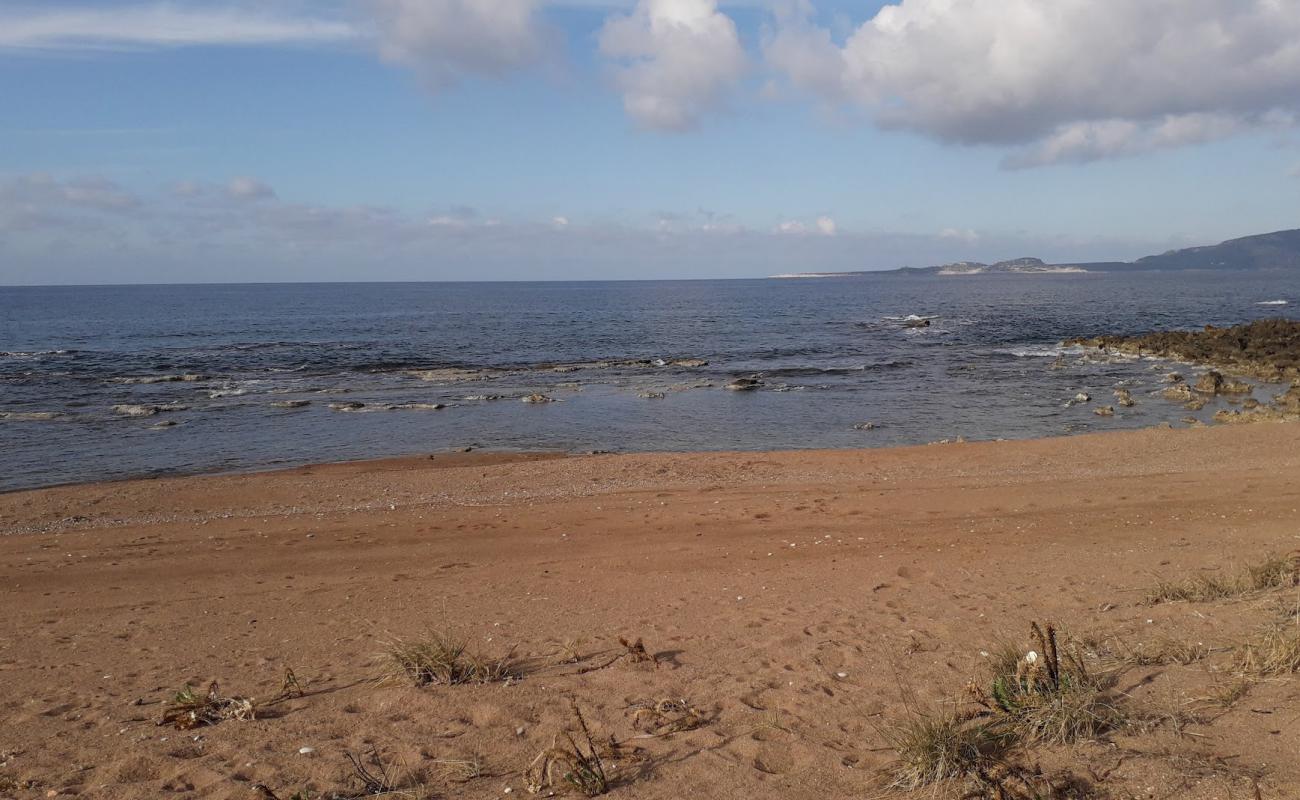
1273,303
217,394
188,377
795,372
31,416
1033,352
34,353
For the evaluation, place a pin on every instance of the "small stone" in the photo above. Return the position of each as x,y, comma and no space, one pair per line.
841,675
306,751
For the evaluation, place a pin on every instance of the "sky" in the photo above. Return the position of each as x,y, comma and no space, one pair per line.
305,140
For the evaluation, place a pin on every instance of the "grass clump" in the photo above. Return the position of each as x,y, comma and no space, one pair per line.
1274,652
569,764
933,748
443,660
1153,653
1049,694
1273,572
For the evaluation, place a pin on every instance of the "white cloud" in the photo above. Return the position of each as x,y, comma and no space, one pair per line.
1068,80
678,59
159,25
443,41
246,188
40,190
823,225
560,223
960,234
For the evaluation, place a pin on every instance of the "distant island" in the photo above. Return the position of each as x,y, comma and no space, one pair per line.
1266,251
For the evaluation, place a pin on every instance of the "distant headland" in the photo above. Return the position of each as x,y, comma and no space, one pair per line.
1264,252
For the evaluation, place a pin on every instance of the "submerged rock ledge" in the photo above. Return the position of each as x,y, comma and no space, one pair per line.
1267,349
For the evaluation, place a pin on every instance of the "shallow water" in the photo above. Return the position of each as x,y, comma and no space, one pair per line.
110,382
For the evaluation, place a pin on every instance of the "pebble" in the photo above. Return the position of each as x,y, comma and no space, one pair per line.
306,751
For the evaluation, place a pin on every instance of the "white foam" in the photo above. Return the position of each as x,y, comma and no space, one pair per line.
1273,303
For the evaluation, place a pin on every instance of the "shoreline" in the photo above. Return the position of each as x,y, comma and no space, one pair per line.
487,458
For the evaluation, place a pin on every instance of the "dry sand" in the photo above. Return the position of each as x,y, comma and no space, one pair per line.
795,597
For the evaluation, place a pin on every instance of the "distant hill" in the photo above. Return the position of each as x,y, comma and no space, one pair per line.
1267,251
1264,252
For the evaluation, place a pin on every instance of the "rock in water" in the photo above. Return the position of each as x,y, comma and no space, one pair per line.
1104,411
744,384
1210,382
537,398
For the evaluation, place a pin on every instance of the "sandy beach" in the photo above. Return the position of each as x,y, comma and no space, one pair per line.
801,602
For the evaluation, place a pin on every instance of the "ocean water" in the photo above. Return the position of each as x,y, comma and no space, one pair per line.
112,382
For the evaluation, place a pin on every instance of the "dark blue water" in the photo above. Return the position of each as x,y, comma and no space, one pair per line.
110,382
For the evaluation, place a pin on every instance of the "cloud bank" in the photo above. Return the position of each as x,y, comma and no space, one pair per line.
93,230
1065,81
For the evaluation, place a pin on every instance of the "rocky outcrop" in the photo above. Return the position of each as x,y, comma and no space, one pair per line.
537,398
1209,383
1104,411
1179,393
1124,397
1267,349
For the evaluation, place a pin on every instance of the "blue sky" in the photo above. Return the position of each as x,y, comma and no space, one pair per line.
522,139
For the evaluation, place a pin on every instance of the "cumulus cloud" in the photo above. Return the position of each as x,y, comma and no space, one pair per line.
1070,80
153,25
446,40
676,60
826,226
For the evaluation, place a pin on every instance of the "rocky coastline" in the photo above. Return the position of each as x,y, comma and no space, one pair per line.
1265,350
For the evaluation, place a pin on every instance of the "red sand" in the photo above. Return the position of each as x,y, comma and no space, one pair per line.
798,598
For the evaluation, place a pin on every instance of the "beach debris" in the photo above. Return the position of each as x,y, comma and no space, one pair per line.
665,717
636,652
569,764
189,709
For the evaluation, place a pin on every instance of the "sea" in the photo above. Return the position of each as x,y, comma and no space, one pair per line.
128,381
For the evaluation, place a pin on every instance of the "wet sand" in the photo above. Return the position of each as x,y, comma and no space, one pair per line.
796,598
